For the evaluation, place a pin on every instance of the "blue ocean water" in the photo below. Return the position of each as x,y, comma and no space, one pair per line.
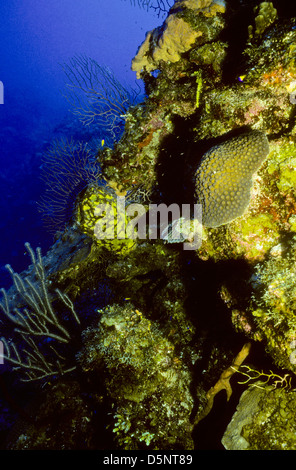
36,37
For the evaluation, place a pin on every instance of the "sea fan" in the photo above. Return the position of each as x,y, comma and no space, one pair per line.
68,167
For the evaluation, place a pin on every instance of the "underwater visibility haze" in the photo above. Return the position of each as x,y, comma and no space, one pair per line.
37,39
148,225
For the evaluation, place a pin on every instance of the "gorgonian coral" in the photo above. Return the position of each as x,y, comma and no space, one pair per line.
67,168
141,3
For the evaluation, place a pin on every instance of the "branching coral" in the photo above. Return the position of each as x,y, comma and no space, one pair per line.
224,177
67,168
162,7
145,378
96,96
261,379
37,324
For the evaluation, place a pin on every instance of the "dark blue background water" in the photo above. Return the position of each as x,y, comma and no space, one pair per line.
36,36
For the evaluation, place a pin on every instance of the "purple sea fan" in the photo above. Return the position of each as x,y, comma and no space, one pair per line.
67,168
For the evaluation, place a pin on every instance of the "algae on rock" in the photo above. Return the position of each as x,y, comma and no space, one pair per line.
177,35
145,378
172,319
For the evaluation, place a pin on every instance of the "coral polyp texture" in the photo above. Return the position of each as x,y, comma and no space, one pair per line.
177,35
224,177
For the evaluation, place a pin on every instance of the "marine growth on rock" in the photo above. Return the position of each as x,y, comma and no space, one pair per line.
224,177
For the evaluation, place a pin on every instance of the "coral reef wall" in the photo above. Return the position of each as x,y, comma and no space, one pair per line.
164,330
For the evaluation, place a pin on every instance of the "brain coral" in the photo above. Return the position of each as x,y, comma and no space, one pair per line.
176,38
224,177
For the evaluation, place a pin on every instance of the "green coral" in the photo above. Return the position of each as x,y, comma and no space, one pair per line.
178,34
167,295
269,430
207,8
255,235
175,39
210,56
145,378
70,416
